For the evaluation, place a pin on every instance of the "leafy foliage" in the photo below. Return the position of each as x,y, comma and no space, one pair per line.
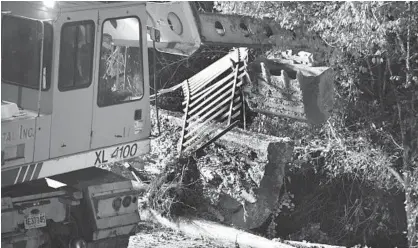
373,136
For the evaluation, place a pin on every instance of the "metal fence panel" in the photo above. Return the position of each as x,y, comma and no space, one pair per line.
214,101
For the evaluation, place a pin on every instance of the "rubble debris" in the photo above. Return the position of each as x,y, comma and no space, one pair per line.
242,174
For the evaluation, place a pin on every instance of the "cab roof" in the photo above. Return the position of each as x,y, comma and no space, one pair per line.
38,10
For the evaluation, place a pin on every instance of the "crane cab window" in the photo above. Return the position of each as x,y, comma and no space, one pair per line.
21,52
121,76
76,55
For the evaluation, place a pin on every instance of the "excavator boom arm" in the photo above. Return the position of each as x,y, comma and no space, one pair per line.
183,29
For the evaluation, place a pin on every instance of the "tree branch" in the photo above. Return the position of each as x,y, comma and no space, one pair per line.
393,140
397,176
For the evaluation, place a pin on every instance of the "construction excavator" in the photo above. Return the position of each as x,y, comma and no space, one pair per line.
75,95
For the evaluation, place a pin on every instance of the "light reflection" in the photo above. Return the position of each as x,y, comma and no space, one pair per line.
49,3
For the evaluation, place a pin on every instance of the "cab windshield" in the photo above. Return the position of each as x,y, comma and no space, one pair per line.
21,52
121,76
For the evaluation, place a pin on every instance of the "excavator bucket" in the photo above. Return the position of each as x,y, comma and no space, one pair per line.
288,88
183,29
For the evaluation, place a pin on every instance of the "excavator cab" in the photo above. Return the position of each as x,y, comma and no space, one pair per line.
74,82
75,95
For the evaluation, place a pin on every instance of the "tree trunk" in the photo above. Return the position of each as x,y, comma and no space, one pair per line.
408,129
411,211
228,236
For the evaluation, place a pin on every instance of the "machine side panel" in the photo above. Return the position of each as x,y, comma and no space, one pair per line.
71,163
20,174
22,135
72,106
43,133
26,97
123,121
18,138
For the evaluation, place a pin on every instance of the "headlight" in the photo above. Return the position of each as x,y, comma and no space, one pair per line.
78,243
127,201
117,203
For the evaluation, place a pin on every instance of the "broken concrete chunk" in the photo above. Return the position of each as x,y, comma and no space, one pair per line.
253,215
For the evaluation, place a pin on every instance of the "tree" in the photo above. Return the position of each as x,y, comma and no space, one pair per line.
374,48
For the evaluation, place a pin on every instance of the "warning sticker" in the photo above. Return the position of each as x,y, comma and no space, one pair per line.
138,126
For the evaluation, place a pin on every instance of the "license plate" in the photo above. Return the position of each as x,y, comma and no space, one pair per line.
35,220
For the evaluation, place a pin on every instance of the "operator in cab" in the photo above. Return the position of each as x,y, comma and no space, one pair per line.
109,93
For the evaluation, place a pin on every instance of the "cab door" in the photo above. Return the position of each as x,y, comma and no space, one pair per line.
121,99
74,40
